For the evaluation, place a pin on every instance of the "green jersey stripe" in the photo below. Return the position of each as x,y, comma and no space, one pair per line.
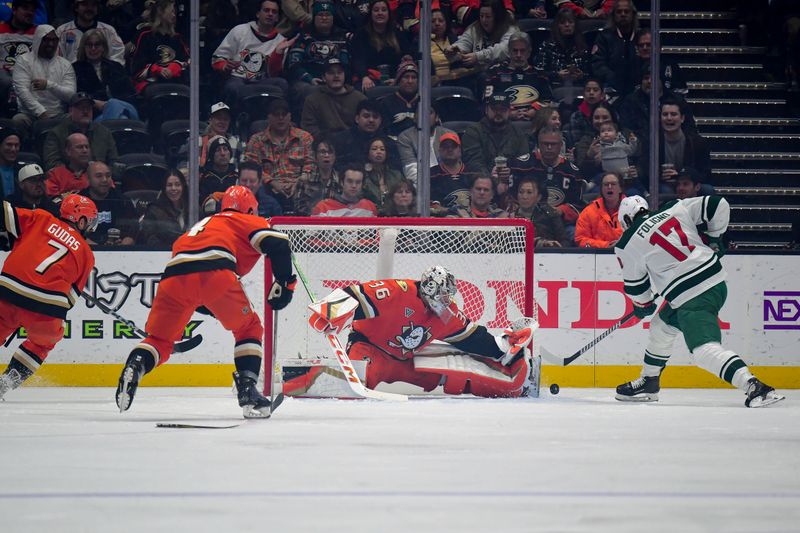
688,274
693,281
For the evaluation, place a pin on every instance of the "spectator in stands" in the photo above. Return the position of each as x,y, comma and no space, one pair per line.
589,149
580,122
307,60
672,79
564,57
70,33
43,81
219,121
251,176
218,173
331,108
688,183
324,181
446,72
525,86
253,53
562,178
351,15
400,107
114,212
30,191
545,116
408,146
350,202
105,80
377,48
221,17
548,227
379,176
9,152
165,219
493,136
614,58
530,9
485,42
679,148
481,196
616,150
284,152
16,38
466,12
585,9
401,200
597,225
71,176
351,145
79,120
295,14
161,54
451,179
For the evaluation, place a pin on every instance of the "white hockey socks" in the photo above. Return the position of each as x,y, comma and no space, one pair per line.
725,364
659,347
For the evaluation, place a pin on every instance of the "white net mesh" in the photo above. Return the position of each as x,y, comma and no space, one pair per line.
488,259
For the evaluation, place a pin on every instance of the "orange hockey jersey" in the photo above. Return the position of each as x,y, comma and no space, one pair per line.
230,241
49,262
393,317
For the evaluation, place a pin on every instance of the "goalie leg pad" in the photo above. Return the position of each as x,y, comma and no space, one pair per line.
382,368
467,374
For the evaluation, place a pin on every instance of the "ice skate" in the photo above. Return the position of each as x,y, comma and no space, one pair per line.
643,389
760,394
129,382
9,380
252,402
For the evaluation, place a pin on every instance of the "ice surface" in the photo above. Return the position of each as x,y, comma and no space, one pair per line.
697,461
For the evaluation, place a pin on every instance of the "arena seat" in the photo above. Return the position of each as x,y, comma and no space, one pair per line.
131,136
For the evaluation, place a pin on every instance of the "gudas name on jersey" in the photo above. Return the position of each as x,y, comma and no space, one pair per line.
63,234
651,223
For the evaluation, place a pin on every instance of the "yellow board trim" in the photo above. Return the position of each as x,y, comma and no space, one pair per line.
219,375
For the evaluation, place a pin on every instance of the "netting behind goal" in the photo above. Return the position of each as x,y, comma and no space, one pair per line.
492,261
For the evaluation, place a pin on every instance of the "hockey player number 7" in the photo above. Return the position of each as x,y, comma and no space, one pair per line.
659,238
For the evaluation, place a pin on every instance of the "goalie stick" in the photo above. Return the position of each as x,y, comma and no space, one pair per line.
178,347
565,361
345,364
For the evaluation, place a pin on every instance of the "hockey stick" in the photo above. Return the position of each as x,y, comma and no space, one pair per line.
345,364
192,426
565,361
178,347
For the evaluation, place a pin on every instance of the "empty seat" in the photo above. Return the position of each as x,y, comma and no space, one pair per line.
26,158
173,135
131,136
140,171
254,101
455,103
165,101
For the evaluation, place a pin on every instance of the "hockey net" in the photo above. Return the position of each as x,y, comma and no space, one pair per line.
492,260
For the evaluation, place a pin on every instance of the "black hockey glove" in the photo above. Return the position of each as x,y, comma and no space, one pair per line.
643,311
280,294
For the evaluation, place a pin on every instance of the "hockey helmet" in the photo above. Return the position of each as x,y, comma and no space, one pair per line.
241,199
437,286
629,208
74,207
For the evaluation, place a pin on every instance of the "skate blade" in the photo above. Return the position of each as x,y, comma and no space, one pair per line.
640,398
770,399
249,411
123,397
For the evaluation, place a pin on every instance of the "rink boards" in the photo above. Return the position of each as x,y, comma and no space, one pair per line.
579,295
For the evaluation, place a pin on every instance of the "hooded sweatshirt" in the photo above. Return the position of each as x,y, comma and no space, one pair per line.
57,71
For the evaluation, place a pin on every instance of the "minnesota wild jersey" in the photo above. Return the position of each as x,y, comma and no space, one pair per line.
663,253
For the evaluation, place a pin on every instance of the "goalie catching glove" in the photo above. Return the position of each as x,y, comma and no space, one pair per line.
333,313
512,342
280,294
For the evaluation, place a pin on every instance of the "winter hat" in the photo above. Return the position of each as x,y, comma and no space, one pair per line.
5,133
407,64
213,145
321,6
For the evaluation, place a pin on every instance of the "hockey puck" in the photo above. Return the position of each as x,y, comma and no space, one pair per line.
554,389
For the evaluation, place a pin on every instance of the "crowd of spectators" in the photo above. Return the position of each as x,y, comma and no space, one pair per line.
562,137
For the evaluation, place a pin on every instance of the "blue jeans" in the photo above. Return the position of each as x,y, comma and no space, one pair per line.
117,109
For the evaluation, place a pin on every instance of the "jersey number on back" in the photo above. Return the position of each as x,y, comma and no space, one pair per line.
53,258
659,238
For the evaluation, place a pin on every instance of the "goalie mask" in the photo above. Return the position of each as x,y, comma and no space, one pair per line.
629,208
437,286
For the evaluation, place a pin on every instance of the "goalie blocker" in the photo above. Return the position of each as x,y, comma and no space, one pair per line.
395,324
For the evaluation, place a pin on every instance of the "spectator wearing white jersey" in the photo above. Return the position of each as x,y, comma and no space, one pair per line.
70,33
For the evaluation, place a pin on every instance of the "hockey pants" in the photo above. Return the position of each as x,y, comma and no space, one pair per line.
43,334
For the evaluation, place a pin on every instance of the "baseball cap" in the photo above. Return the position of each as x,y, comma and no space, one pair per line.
333,61
77,98
220,106
690,173
500,99
31,170
450,136
320,6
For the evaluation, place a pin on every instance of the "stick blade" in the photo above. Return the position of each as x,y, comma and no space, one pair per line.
189,344
170,425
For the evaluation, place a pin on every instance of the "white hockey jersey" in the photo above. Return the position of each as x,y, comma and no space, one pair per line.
252,50
663,253
69,37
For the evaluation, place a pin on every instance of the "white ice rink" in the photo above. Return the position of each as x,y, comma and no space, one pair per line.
697,461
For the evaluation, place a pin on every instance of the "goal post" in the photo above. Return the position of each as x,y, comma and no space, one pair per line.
491,259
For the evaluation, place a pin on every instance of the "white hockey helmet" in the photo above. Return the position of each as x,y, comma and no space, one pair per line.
629,208
437,286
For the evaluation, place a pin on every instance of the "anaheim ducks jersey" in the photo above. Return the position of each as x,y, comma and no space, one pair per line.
664,253
392,316
230,241
49,262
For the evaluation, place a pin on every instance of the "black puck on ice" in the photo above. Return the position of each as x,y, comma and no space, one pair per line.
554,389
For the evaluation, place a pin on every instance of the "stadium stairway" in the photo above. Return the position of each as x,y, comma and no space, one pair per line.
744,114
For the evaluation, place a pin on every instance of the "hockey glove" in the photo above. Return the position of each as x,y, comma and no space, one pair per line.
280,294
717,244
516,341
644,310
